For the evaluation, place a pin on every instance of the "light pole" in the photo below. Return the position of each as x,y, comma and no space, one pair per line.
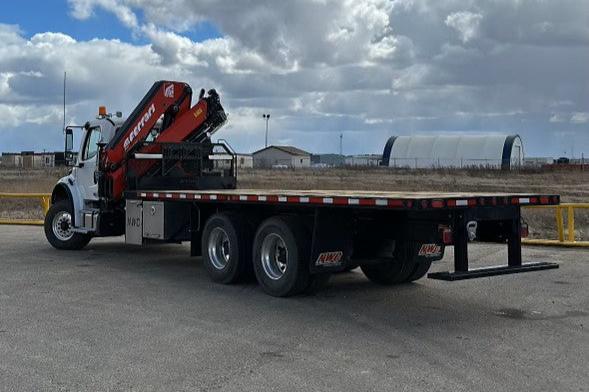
267,118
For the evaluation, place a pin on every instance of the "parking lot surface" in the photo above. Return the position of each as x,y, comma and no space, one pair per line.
113,317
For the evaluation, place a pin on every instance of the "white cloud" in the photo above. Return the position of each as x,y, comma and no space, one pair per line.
321,67
466,23
580,118
83,9
557,118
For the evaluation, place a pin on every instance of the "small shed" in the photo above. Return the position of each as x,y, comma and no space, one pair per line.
11,159
281,156
504,152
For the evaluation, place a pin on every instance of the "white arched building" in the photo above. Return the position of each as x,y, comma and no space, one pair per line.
493,151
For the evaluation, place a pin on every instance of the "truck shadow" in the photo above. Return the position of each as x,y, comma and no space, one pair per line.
348,296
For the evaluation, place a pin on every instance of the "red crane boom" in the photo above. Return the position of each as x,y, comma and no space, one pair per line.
171,102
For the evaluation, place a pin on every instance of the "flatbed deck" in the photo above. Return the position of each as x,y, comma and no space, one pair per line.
378,199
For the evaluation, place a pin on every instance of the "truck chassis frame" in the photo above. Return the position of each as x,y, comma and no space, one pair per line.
339,221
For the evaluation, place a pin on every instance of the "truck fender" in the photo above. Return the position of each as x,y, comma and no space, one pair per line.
63,190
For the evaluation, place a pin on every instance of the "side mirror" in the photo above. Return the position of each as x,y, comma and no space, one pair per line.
69,147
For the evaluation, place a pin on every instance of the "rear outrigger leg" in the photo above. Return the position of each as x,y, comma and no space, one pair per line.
514,255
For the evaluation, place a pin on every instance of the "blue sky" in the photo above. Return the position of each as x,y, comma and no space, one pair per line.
34,16
367,69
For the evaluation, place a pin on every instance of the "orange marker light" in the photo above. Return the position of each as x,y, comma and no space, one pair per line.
102,110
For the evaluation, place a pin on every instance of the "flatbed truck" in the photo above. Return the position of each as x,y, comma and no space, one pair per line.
157,177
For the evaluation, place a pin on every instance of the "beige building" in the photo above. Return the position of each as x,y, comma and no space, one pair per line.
281,157
242,161
11,159
245,161
28,159
37,160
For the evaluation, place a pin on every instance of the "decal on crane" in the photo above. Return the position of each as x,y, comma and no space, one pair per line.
198,112
169,90
139,126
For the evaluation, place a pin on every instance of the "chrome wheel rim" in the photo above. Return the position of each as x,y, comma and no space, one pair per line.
274,256
219,248
62,226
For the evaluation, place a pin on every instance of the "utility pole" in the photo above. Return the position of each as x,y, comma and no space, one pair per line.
267,118
64,80
341,144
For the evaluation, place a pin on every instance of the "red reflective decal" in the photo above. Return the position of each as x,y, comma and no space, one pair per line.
430,250
329,258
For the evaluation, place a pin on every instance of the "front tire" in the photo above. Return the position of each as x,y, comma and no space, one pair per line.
59,228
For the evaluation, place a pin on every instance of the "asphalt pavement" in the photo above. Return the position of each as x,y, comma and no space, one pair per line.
118,318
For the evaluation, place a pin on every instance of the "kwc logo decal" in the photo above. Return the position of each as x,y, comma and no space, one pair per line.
430,250
329,258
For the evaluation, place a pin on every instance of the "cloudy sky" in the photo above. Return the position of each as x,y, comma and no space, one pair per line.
367,69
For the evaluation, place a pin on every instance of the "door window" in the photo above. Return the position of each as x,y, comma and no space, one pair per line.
91,144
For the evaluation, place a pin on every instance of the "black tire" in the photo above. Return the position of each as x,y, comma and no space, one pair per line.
62,238
390,272
232,232
397,265
350,268
291,244
400,266
419,271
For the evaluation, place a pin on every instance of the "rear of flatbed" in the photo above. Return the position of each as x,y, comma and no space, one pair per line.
393,236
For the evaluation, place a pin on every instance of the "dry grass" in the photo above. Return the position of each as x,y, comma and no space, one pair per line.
26,181
572,186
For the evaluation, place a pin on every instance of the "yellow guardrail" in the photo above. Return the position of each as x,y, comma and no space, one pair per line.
44,199
563,240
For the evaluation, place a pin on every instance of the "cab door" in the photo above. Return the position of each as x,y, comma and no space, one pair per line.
86,166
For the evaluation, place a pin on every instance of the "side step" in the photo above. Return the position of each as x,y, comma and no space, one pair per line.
491,271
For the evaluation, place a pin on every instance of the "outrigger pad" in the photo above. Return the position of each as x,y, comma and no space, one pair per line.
491,271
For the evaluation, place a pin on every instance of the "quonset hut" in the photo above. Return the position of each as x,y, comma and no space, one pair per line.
490,151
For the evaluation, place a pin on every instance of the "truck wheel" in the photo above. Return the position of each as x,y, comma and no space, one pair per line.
390,272
226,248
59,228
281,254
396,267
419,271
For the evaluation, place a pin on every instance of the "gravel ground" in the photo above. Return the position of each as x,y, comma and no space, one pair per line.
115,318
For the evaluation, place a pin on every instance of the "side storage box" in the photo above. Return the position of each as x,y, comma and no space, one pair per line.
166,221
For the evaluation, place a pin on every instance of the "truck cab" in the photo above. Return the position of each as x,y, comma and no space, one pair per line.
164,143
76,194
